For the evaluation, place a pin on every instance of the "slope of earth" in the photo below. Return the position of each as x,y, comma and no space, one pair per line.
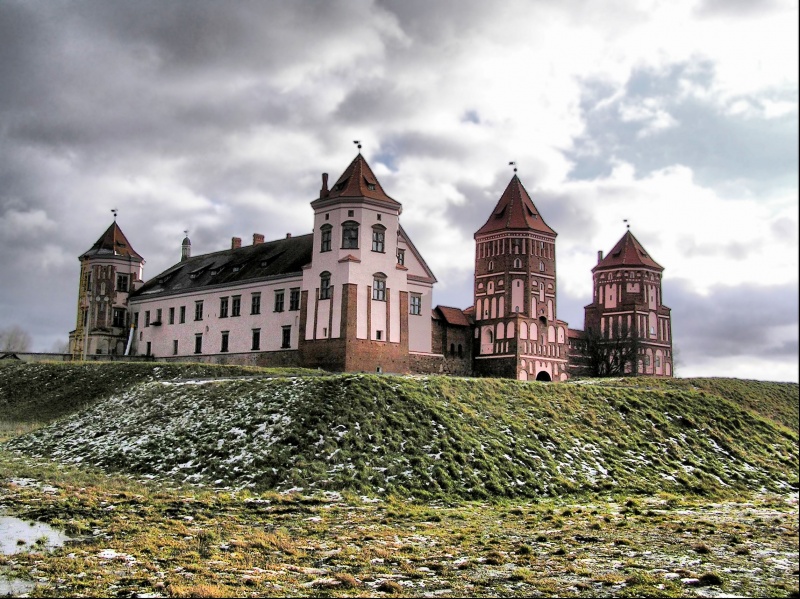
427,437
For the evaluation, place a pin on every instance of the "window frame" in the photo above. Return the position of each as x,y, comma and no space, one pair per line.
379,239
236,306
280,297
326,238
224,303
325,287
294,299
255,303
198,310
286,337
379,287
350,233
415,304
255,340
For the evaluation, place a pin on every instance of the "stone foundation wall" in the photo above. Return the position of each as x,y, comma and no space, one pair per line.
275,359
440,364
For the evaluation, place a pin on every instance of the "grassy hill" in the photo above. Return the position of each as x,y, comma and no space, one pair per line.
418,436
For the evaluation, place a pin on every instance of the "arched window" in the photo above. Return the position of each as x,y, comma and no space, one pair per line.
541,266
325,288
379,287
452,349
378,238
517,263
325,238
491,266
460,351
350,235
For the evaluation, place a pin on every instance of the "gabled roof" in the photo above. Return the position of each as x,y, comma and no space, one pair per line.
453,316
516,211
112,243
627,253
358,181
283,257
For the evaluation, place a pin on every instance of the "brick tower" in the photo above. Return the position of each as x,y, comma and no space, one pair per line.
110,270
517,333
627,312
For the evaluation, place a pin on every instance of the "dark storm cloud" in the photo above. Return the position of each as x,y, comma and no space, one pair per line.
719,147
741,320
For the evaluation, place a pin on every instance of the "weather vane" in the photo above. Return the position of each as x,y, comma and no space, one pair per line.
358,143
114,212
186,232
514,164
627,224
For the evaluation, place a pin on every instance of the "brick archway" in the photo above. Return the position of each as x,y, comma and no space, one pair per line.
543,376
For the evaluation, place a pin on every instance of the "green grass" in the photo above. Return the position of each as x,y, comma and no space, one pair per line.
425,437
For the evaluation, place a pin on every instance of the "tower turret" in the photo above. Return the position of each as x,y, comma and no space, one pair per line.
186,247
518,334
110,270
627,313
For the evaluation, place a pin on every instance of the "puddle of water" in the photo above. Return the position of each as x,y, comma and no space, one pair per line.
18,535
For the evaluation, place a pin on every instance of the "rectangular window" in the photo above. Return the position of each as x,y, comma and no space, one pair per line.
325,245
119,317
147,318
294,299
401,257
89,281
256,339
223,307
236,305
174,347
379,290
325,288
198,343
286,336
135,319
224,346
378,335
255,303
183,315
172,315
350,236
149,347
158,315
279,300
122,283
198,310
416,305
378,239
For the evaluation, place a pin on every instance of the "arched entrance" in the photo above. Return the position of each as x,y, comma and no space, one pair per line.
543,376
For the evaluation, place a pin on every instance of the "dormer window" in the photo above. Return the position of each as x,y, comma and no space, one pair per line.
350,235
371,186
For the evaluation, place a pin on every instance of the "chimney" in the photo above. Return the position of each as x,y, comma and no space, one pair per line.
258,238
236,243
288,236
324,193
599,256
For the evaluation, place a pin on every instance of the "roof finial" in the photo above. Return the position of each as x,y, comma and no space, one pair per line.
514,164
358,143
186,233
114,212
627,224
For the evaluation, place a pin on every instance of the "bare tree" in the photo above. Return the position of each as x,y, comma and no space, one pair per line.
60,347
617,355
15,338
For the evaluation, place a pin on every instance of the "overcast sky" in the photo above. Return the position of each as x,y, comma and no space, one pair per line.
219,118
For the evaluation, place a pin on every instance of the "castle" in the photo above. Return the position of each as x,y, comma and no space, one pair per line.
356,295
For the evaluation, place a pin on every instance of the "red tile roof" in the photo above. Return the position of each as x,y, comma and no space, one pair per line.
358,181
515,210
112,243
454,316
627,252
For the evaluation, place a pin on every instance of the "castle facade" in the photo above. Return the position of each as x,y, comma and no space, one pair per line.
356,295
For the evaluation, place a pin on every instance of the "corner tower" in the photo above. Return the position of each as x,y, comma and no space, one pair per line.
110,270
366,297
517,333
627,309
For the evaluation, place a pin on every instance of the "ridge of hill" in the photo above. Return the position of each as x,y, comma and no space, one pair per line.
417,436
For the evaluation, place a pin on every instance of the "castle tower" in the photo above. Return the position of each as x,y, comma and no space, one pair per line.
366,296
186,248
517,333
110,270
627,310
